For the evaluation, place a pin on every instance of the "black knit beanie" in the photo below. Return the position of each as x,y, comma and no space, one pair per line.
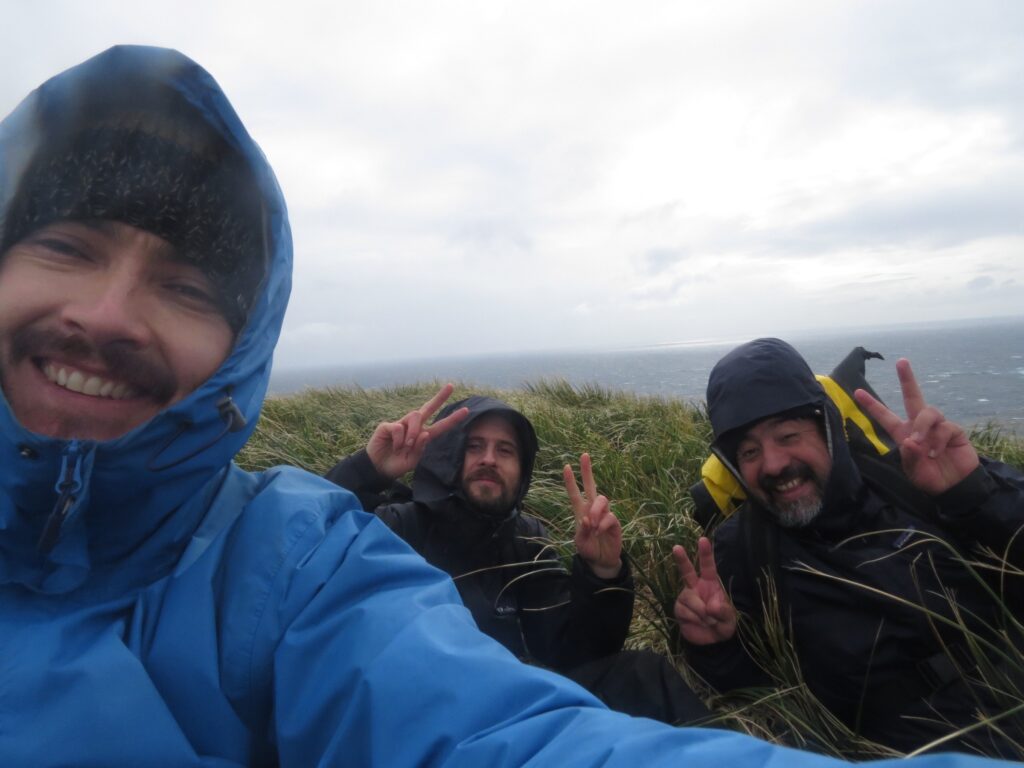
200,197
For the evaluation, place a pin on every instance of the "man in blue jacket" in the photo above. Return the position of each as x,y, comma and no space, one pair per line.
158,605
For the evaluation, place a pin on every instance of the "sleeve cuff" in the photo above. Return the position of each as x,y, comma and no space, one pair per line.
963,498
624,578
357,472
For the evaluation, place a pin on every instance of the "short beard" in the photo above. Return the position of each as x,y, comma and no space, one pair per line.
499,506
798,513
496,506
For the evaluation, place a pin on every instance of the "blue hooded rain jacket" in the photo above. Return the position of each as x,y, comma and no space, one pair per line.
183,612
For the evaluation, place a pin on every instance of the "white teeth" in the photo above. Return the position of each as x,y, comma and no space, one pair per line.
92,386
76,381
788,485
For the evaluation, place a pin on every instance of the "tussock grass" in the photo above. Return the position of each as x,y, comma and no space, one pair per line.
994,441
647,452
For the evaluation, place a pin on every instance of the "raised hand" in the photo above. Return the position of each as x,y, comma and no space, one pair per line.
703,609
935,453
395,447
598,532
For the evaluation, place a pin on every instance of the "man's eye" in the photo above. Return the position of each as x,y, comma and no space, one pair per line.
747,454
788,438
192,294
56,244
52,246
506,450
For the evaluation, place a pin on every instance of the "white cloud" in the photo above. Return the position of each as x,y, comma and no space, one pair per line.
470,177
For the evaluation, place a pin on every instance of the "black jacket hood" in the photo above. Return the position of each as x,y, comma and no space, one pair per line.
768,377
437,479
756,380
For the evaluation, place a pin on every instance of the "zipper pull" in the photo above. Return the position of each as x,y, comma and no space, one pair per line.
68,487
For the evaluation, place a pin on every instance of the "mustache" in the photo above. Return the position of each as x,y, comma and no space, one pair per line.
122,361
485,473
796,471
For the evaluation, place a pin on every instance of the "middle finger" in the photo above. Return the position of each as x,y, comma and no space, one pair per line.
587,472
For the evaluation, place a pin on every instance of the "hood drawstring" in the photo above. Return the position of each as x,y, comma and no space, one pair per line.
230,414
69,485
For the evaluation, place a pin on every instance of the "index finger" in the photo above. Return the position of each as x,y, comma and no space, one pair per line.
913,400
686,570
430,407
441,426
890,422
573,490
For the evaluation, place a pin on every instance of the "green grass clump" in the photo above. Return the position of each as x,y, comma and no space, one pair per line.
994,441
647,452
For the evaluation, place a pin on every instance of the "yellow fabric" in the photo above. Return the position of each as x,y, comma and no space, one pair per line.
852,412
723,486
726,490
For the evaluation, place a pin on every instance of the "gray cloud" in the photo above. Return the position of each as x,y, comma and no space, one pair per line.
951,56
656,260
980,283
484,235
929,218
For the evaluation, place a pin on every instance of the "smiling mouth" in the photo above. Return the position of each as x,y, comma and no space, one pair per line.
87,383
789,485
793,481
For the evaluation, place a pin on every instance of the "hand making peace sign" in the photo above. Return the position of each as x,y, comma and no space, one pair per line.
396,447
935,453
703,609
598,532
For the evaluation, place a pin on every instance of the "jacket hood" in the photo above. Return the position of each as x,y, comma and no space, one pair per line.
437,479
765,378
136,496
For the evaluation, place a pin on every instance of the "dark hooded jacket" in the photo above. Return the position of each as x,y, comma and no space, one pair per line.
875,661
508,574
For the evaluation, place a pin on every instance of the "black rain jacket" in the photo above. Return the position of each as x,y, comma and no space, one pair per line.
509,576
876,662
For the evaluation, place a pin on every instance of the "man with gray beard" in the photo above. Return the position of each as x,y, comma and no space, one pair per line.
871,578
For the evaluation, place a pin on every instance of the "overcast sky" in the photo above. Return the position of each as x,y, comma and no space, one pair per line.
474,176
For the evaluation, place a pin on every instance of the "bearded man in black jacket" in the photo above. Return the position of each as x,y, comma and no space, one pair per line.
472,469
871,578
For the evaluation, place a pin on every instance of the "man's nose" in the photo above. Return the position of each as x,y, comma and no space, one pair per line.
490,455
774,458
109,309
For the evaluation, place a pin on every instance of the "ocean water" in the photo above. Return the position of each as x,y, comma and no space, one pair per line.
973,371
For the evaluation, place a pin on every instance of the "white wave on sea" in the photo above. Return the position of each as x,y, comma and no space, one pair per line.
972,372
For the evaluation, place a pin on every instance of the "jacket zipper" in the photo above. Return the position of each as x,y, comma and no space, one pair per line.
68,487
